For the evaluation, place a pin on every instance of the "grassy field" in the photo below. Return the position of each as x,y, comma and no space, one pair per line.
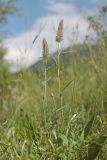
56,113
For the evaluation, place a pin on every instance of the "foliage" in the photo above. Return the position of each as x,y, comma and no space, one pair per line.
7,7
57,113
98,24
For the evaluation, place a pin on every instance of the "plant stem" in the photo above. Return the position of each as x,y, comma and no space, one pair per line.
58,74
58,70
45,88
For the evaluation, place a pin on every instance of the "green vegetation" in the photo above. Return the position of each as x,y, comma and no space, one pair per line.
60,112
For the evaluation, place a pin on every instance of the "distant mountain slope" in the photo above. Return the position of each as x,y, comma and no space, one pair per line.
67,55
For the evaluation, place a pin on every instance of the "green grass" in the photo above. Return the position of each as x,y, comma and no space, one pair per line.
71,126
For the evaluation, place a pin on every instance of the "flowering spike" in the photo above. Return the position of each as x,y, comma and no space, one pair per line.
59,36
45,49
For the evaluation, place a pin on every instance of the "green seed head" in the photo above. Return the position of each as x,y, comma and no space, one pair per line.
45,49
59,36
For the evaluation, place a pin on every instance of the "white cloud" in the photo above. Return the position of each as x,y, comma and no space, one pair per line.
57,11
61,8
101,3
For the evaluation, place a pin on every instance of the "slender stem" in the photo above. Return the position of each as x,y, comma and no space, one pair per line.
45,88
58,74
58,71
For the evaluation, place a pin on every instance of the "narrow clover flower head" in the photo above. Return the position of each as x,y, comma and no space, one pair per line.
59,36
45,49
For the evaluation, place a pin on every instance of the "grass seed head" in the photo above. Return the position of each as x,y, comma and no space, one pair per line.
59,36
45,49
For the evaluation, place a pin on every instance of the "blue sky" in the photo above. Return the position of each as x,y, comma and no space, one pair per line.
31,10
34,9
39,13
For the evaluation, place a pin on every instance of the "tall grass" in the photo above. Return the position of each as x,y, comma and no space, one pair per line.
59,38
57,113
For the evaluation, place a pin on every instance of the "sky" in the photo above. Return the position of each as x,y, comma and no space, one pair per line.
46,14
31,10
